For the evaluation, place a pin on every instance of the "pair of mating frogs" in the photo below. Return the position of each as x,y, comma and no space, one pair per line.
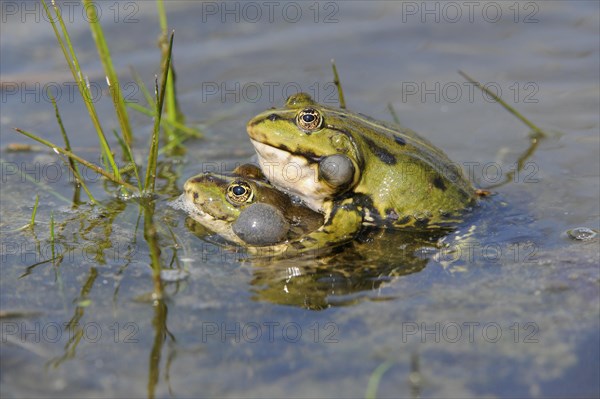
324,174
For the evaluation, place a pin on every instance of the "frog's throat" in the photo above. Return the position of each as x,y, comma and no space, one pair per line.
292,173
221,227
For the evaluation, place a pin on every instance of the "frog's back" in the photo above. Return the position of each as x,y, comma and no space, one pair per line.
406,180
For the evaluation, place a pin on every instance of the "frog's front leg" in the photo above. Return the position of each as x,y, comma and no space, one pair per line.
342,226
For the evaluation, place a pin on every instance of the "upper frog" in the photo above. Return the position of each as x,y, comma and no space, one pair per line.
328,155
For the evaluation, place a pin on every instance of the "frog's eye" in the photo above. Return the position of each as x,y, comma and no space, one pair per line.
239,192
309,119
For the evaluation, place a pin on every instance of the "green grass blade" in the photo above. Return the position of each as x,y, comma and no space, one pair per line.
34,212
45,188
394,114
172,112
538,133
375,379
160,98
151,237
127,151
138,80
148,112
77,158
162,16
72,165
111,75
535,136
82,85
52,234
338,84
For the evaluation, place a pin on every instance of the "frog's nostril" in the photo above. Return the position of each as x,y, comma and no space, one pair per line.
273,117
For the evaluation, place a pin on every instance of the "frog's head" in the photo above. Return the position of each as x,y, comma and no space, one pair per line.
305,148
216,200
243,209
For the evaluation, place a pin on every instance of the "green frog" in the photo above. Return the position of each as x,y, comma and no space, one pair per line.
347,165
245,209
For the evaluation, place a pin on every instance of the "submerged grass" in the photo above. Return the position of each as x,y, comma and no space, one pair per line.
109,170
537,132
34,212
58,149
72,165
375,379
535,135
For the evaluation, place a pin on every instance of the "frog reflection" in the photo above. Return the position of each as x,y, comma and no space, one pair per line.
338,276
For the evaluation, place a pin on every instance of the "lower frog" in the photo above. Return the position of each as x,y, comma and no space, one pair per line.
339,161
245,209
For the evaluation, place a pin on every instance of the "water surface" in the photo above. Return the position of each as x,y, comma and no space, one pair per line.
509,308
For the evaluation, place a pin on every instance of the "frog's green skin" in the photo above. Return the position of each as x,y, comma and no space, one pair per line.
397,179
208,201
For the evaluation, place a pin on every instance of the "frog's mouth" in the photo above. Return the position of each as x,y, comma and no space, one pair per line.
222,227
294,173
185,203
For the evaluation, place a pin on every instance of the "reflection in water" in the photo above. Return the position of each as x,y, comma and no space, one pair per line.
341,275
161,332
92,230
76,331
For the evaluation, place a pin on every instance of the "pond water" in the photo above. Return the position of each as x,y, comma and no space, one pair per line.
509,307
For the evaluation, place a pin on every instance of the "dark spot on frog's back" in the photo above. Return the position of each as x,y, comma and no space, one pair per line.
298,246
384,155
422,222
438,183
195,195
405,220
399,140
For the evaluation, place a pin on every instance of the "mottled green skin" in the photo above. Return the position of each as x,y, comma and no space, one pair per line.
209,205
400,179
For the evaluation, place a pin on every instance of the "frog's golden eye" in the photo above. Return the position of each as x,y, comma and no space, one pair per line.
309,119
239,192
